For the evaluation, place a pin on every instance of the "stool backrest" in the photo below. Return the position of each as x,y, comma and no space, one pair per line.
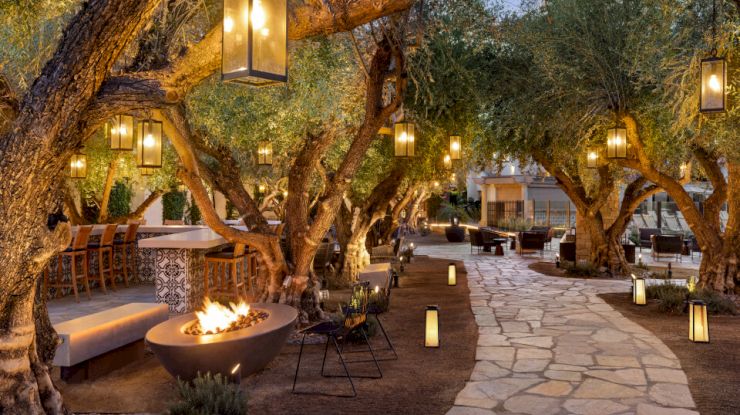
239,249
355,313
108,235
82,237
130,235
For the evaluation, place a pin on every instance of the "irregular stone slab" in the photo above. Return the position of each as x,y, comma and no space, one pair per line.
522,353
647,409
505,387
563,375
557,366
493,340
530,365
472,395
552,388
655,360
600,389
486,320
494,353
485,370
515,327
617,361
634,377
666,375
672,394
574,359
541,341
463,410
533,405
594,406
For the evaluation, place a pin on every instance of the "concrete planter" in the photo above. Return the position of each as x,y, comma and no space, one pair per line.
455,233
184,355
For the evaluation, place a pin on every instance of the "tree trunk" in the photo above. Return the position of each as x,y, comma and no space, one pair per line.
109,179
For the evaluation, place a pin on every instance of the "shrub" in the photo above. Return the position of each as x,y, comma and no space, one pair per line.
209,395
671,298
120,200
193,212
173,205
717,303
581,270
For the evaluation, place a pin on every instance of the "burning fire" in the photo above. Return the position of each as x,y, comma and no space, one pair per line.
216,317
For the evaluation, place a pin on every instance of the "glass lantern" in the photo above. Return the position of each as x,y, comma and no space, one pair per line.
404,139
713,85
451,274
455,147
698,323
616,143
592,158
638,291
120,131
264,153
78,166
149,144
431,335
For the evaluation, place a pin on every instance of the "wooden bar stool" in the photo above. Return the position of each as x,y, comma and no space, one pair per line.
105,246
224,281
128,241
78,249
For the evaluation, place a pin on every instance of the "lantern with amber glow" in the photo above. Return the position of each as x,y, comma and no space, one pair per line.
404,139
447,160
455,147
431,335
78,166
264,153
451,274
255,42
616,143
592,158
698,323
713,84
638,291
120,131
146,171
149,144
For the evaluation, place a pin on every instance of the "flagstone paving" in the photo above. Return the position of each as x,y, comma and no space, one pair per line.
550,346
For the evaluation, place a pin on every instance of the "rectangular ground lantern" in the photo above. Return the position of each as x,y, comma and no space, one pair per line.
431,336
698,323
451,274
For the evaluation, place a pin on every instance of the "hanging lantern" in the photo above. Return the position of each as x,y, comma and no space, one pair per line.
431,336
149,144
404,139
451,274
616,143
592,158
713,84
455,147
146,171
264,153
638,291
120,131
447,161
698,323
255,42
78,166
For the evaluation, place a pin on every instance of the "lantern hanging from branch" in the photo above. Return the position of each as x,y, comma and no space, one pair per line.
255,42
264,153
149,144
455,147
698,323
404,139
431,335
451,274
447,160
616,143
120,131
78,166
638,291
592,158
713,84
146,171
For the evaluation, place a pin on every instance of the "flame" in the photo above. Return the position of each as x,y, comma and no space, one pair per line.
216,317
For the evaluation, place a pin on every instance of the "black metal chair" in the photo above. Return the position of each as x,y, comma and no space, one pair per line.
355,317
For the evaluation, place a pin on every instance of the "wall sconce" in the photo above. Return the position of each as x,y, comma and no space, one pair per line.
431,336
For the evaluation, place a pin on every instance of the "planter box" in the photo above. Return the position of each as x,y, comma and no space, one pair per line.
455,233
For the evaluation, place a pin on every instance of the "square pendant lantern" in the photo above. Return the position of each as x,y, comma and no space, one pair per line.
146,171
616,143
255,42
713,85
149,144
120,132
264,153
455,147
404,139
78,166
592,158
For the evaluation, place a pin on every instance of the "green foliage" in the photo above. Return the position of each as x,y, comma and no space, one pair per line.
194,216
581,269
717,303
514,224
120,199
209,395
173,205
447,211
672,299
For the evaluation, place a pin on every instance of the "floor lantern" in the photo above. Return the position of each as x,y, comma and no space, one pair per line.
455,147
698,323
149,144
255,42
431,336
404,139
120,131
78,166
616,143
638,291
264,153
451,274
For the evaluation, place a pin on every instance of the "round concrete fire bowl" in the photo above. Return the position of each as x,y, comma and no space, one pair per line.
184,355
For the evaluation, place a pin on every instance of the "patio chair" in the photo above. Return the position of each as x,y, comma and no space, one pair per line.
670,245
530,242
477,240
355,317
646,235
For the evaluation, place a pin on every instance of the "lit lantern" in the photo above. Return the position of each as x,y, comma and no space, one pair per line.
146,171
447,161
404,139
262,188
616,143
285,193
592,158
120,131
451,274
431,337
149,144
264,153
255,42
436,184
713,84
78,166
638,291
455,147
698,323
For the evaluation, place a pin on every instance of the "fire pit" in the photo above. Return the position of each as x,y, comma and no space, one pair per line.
248,335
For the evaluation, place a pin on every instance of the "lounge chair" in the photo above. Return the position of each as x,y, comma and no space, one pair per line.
646,235
667,245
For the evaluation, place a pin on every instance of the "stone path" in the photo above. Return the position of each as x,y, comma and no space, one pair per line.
550,346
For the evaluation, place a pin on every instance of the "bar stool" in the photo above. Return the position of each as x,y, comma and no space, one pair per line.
77,249
226,282
128,241
105,246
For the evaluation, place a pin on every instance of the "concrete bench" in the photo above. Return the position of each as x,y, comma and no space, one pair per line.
120,329
378,274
